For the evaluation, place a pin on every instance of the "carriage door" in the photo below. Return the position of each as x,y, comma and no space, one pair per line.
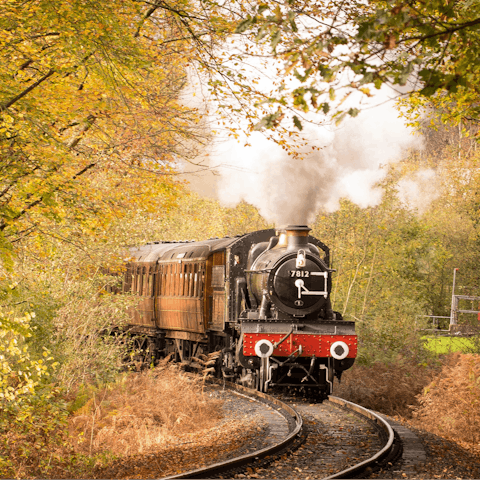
216,318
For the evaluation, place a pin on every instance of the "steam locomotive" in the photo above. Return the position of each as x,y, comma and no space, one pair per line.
258,304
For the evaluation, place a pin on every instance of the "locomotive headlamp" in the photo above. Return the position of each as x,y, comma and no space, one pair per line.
339,350
300,261
264,348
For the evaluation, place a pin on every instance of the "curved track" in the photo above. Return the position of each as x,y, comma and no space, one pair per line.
292,417
295,430
388,435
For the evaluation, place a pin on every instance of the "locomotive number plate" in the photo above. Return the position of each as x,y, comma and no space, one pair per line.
299,273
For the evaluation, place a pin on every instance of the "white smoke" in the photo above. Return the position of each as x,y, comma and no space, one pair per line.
287,190
419,190
348,165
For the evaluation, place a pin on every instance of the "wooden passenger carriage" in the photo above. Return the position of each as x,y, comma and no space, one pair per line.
190,291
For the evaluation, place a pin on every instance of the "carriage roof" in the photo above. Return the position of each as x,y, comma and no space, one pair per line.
165,251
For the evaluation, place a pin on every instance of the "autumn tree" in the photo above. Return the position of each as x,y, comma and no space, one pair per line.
91,115
334,49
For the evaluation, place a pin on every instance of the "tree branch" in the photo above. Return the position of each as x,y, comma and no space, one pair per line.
9,103
33,204
443,32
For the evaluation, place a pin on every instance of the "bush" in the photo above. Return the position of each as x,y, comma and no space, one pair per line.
450,404
390,389
143,411
33,415
386,341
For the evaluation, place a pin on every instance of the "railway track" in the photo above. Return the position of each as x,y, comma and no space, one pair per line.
288,432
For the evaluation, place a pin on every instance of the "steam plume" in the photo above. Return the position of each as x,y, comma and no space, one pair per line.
348,165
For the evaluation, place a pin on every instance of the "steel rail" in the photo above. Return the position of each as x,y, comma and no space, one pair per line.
381,424
350,472
222,467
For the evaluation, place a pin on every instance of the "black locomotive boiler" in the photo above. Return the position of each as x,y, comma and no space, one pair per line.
260,300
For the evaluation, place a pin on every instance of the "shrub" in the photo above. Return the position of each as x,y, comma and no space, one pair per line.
450,404
143,411
33,415
389,389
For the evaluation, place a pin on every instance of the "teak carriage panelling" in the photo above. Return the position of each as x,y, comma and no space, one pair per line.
172,295
180,313
142,285
218,311
127,284
144,313
178,293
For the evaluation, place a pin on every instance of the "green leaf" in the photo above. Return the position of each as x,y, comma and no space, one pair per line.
269,121
405,73
261,8
339,119
245,24
263,32
297,123
276,37
291,19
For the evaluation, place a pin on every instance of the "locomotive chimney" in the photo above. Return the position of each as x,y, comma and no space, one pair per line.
282,237
296,236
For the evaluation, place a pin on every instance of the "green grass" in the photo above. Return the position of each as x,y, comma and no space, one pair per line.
442,345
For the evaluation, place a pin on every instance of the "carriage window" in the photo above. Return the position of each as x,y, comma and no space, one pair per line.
139,280
169,279
182,280
177,280
202,282
190,281
155,284
163,280
127,286
195,280
176,275
172,280
150,284
134,279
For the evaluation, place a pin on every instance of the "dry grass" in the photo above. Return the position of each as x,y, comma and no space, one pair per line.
444,400
143,412
450,405
389,389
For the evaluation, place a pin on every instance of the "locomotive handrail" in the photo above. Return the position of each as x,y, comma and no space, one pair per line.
277,344
265,270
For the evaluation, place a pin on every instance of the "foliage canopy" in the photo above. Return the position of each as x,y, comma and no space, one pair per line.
336,48
90,114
